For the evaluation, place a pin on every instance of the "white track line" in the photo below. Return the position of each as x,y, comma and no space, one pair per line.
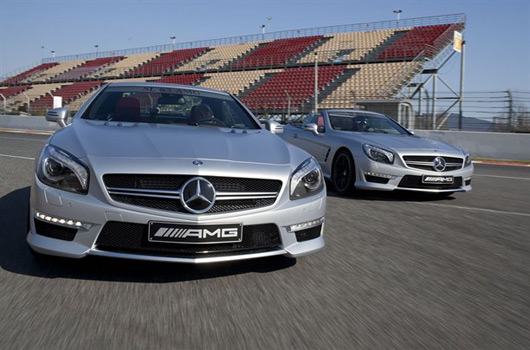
472,208
503,177
21,139
502,163
17,157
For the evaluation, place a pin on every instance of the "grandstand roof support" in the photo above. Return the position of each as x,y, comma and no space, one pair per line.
434,78
461,99
435,75
316,82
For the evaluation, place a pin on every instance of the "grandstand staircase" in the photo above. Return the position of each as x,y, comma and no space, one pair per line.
339,55
256,85
228,64
182,63
50,79
100,73
200,80
126,72
76,104
328,89
242,57
204,66
21,100
396,83
372,55
309,50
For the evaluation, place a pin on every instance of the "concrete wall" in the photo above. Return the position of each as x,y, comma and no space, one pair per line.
493,145
27,123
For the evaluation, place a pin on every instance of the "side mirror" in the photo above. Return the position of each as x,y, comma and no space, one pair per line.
58,115
311,127
274,127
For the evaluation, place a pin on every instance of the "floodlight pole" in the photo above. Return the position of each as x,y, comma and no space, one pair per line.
29,101
316,83
461,99
288,106
398,13
434,78
5,103
263,26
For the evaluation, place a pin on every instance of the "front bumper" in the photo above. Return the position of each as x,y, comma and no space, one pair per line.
404,178
96,212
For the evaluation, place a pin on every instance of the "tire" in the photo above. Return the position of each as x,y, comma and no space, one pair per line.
343,173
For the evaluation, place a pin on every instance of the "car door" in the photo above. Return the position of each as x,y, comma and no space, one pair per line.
314,144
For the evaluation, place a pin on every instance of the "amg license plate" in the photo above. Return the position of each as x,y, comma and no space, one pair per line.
428,179
194,234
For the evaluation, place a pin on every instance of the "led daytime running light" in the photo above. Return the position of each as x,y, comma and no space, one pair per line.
306,225
72,223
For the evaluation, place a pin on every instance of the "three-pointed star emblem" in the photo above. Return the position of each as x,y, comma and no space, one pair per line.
197,195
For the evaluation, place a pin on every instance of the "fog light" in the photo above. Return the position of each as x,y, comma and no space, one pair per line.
306,225
62,221
386,176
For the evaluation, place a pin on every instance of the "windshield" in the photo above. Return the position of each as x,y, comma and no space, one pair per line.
163,105
366,123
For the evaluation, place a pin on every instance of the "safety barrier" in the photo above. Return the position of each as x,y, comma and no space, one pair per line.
493,145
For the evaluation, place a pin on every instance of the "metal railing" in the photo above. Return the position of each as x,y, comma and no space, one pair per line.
294,33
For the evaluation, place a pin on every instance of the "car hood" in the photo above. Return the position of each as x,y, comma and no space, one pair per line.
405,143
178,149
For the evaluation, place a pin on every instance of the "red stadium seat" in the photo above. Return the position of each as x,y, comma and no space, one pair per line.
277,52
28,73
414,42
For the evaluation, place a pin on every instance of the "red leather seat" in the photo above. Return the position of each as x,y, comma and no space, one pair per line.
127,110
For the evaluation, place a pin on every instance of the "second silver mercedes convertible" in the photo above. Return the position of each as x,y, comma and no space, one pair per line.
364,150
173,173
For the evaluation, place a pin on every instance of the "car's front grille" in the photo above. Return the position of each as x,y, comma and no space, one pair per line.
132,238
412,181
427,162
163,191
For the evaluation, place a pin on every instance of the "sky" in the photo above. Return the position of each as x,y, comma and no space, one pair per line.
497,35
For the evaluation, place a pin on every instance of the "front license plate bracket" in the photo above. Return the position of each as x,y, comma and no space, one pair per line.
167,232
440,180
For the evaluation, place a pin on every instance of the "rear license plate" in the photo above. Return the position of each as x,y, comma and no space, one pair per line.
194,234
428,179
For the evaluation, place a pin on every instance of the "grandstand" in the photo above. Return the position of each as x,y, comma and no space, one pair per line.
270,72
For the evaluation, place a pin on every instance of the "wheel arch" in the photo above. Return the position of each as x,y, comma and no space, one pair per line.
339,150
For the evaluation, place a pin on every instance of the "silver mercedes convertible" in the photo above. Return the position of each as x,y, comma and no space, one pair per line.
173,173
364,150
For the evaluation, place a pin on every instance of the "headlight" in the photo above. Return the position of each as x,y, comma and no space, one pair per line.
306,179
60,169
467,160
378,154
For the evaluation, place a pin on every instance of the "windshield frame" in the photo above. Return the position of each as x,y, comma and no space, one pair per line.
353,114
252,122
